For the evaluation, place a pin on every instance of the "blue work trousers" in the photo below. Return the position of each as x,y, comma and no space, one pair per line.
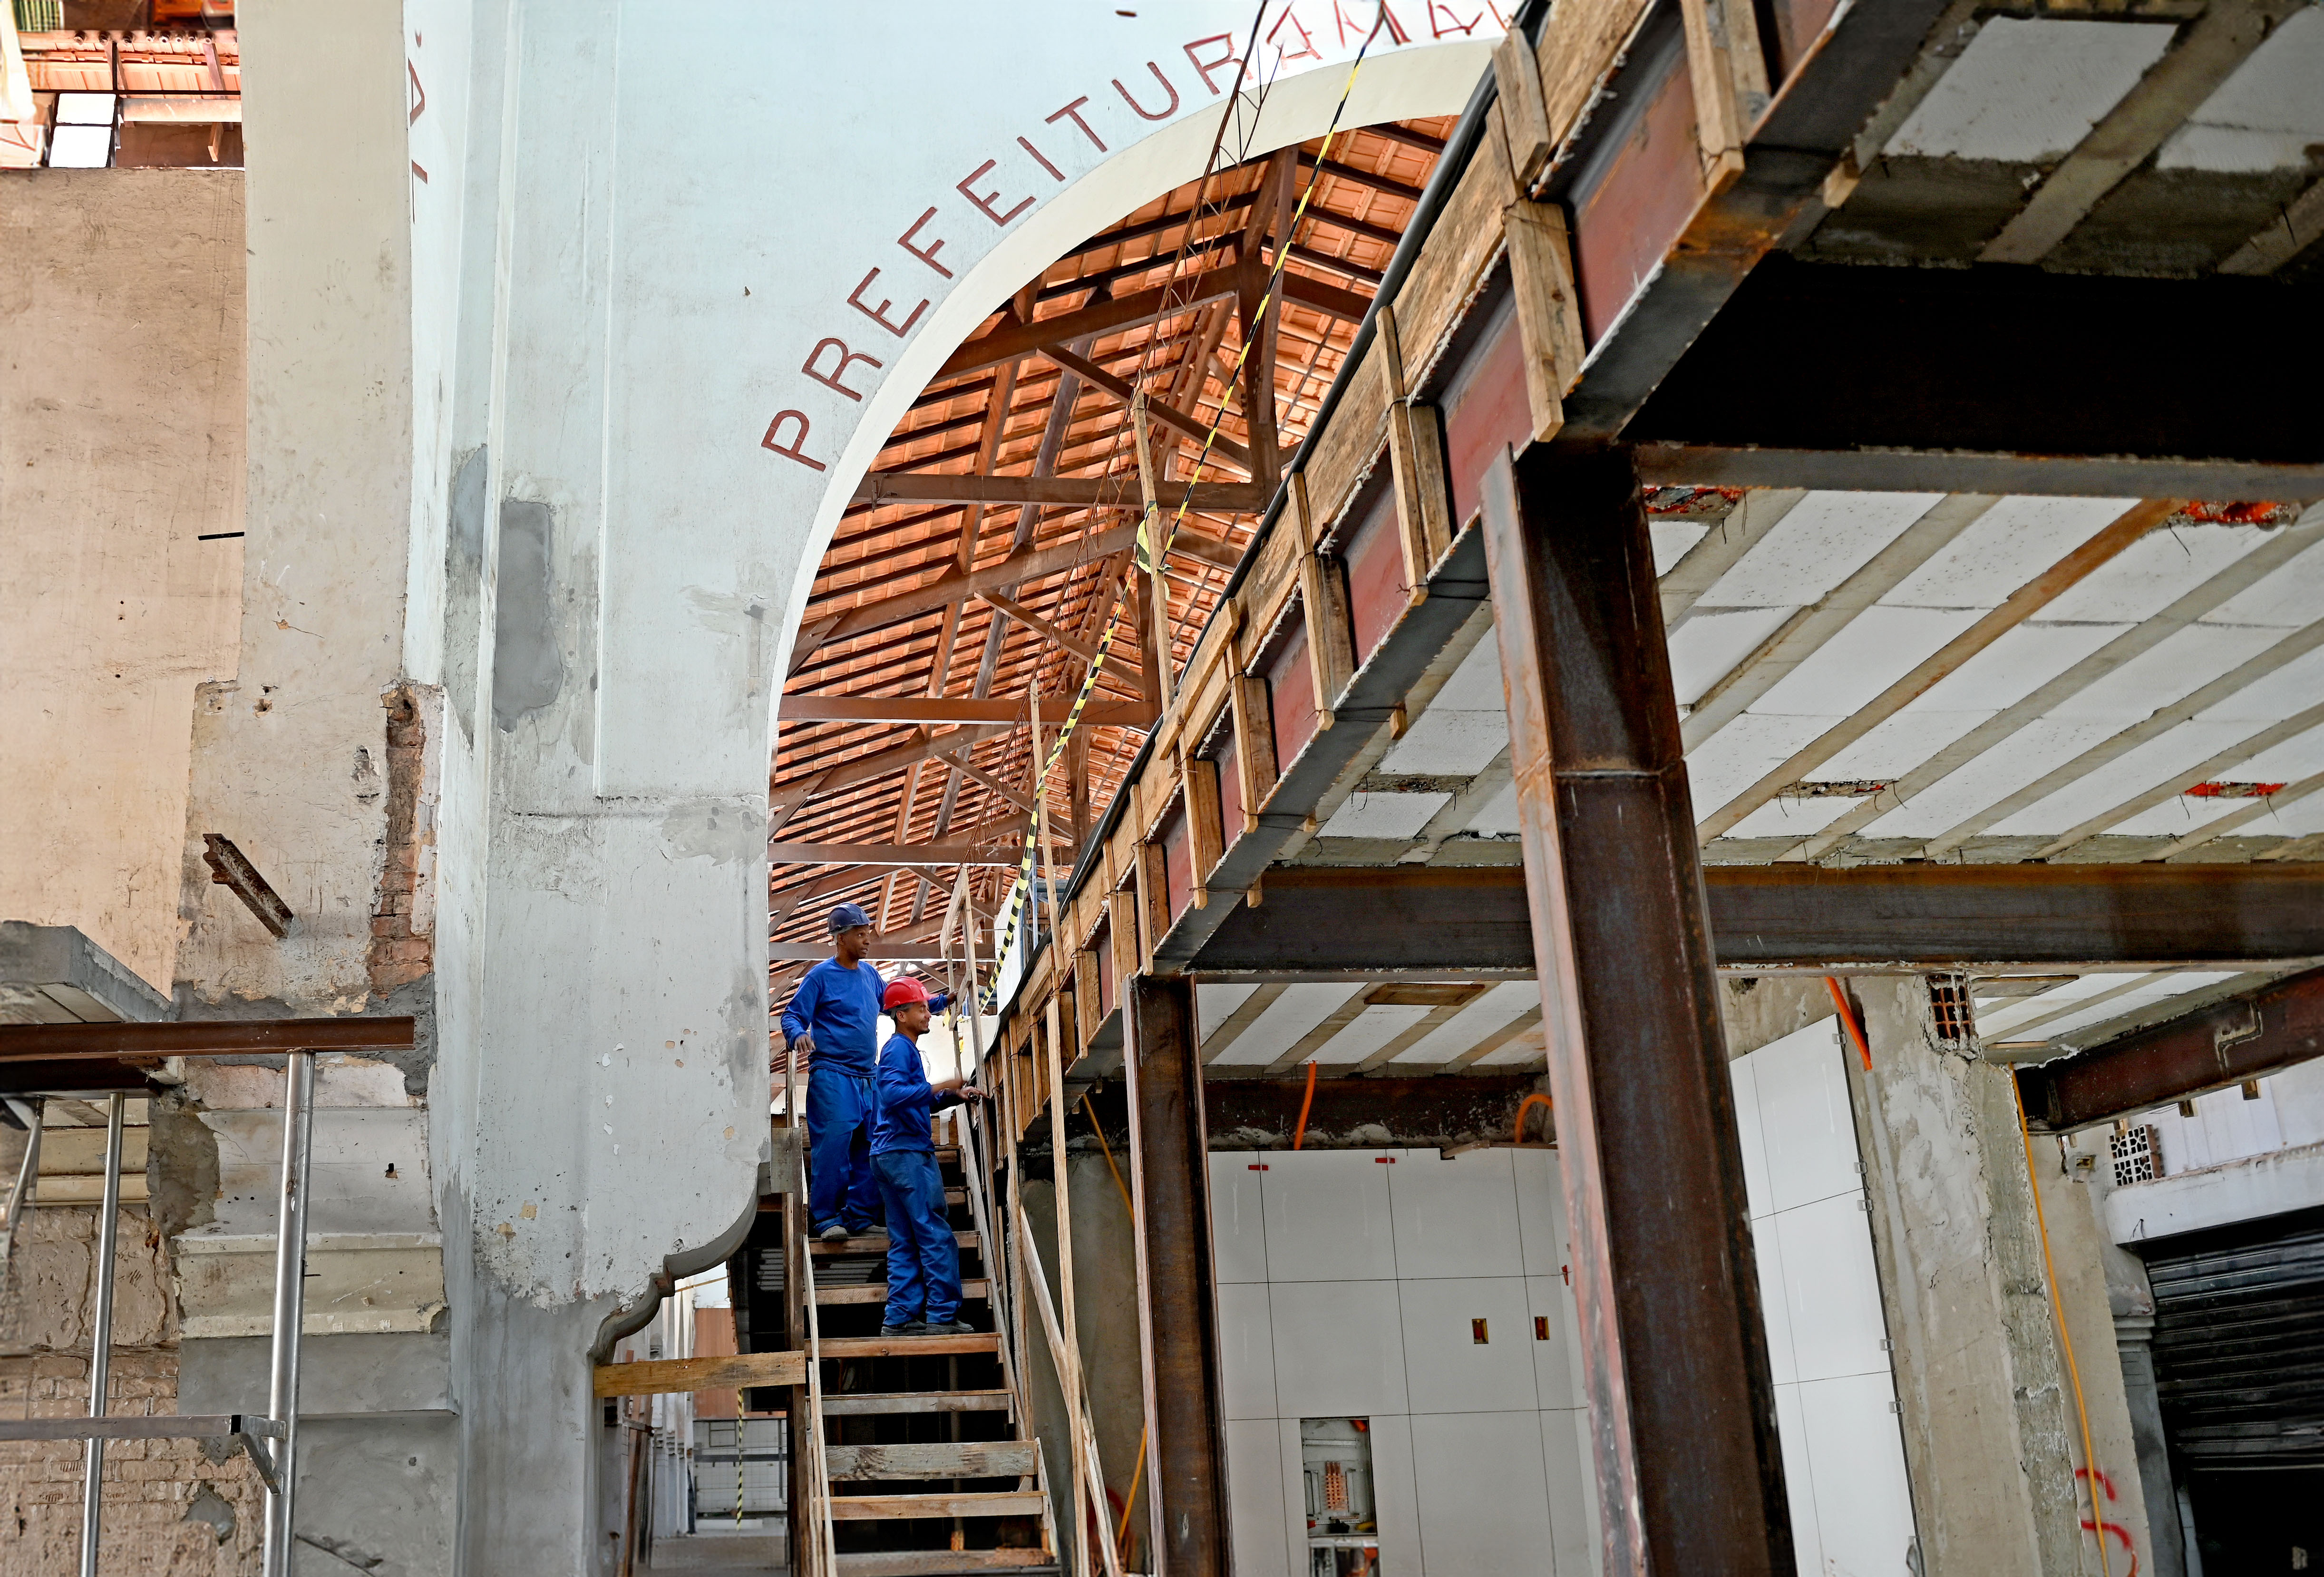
923,1257
840,1107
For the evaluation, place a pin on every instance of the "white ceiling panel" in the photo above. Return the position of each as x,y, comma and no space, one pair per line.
1878,647
2289,762
2286,599
2177,667
2001,1021
1290,1016
1788,818
1383,816
1476,685
2024,92
1745,751
2268,115
1672,539
1710,643
1490,1013
1496,814
1899,745
2295,686
1444,742
2147,996
1826,538
2000,771
1215,1004
2142,768
2154,572
2008,545
1375,1027
2013,666
1528,1048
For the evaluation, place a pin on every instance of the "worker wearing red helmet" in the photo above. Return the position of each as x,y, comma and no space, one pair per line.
923,1256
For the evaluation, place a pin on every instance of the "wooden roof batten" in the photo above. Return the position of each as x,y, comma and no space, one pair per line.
891,634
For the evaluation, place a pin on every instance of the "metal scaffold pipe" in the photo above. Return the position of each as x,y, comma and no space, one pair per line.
100,1347
290,1302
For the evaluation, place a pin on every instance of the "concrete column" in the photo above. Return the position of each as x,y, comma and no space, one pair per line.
1986,1413
2110,1315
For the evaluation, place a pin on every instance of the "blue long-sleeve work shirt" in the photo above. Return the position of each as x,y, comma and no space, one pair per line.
905,1099
840,1007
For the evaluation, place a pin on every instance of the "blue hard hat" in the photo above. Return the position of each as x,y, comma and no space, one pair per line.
847,917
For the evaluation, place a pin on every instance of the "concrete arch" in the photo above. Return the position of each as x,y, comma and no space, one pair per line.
1394,83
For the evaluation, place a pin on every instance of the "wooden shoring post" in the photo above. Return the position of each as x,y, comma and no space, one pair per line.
1324,603
1077,786
1415,454
1157,589
1154,901
1011,1103
1525,114
1047,864
1121,938
1070,1378
1177,1312
1549,313
1729,72
1261,331
1205,838
1087,1001
1674,1352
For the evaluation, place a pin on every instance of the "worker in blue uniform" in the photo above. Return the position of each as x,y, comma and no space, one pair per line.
923,1254
833,1018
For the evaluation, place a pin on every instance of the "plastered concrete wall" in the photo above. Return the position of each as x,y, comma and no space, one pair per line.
121,447
2073,1205
1980,1387
291,753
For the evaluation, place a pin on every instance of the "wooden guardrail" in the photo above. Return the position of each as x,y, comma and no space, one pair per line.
664,1375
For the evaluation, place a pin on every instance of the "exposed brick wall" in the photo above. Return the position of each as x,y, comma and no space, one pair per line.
401,951
179,1507
171,1508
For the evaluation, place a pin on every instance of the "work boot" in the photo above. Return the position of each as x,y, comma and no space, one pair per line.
908,1328
952,1328
833,1234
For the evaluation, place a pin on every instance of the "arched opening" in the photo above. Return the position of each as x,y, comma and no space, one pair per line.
913,601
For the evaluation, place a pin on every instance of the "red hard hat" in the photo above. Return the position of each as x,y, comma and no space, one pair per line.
899,991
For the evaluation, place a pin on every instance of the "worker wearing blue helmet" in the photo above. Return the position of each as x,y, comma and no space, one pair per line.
834,1017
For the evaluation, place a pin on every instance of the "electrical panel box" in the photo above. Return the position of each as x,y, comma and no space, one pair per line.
1343,1524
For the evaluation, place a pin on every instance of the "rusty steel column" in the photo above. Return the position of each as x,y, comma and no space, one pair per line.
1177,1307
1681,1406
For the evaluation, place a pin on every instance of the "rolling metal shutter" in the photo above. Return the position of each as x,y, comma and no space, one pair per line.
2240,1346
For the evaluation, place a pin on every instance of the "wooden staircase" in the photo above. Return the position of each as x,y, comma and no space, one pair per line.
927,1465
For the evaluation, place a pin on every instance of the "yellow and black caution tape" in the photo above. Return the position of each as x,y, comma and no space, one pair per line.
1144,552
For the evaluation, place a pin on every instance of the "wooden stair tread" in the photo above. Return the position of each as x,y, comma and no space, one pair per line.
873,1243
877,1402
905,1346
987,1459
971,1503
876,1292
943,1563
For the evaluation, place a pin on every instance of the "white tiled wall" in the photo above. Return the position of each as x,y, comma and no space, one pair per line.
1835,1391
1347,1283
1347,1280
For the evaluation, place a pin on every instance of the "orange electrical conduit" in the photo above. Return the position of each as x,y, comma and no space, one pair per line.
1847,1017
1517,1134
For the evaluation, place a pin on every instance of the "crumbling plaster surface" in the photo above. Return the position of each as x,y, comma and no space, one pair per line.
290,753
1980,1386
121,447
